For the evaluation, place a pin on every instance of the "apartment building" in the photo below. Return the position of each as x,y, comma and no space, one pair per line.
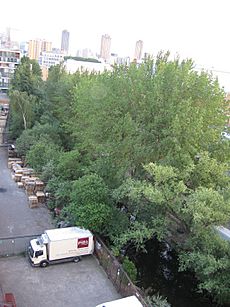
36,46
9,60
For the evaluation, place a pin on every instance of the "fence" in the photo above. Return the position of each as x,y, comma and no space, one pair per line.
14,245
116,273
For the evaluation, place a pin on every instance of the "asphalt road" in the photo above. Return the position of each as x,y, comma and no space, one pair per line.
82,284
16,218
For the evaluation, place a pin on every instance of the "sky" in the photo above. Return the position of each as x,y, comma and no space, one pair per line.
197,29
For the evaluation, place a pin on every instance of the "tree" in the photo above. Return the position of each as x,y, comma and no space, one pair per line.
191,206
26,94
27,77
41,153
89,189
45,132
160,111
23,103
89,205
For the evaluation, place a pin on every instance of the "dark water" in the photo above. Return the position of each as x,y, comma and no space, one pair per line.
158,273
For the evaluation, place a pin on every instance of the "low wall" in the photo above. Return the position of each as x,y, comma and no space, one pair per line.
116,273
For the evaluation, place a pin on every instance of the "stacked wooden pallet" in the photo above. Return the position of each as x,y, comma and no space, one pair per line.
25,178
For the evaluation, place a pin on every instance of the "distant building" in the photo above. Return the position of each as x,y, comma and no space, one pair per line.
34,49
24,48
105,47
48,59
36,46
138,50
3,40
46,46
85,53
65,42
56,50
71,66
9,60
123,61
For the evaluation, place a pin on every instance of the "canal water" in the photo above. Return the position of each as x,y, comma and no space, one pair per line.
158,273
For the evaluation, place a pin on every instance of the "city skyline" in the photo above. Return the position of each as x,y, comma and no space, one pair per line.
192,29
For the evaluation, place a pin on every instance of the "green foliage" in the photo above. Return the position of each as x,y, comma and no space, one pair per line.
23,104
91,216
160,111
117,224
27,77
209,259
206,207
41,153
209,173
62,193
77,58
89,189
25,141
130,269
89,203
46,132
157,301
70,165
138,234
166,195
25,96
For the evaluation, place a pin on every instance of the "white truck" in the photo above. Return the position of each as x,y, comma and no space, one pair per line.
130,301
60,245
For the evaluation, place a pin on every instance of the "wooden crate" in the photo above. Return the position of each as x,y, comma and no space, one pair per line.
18,171
20,184
39,185
33,201
12,161
16,167
17,177
29,185
27,171
23,179
40,196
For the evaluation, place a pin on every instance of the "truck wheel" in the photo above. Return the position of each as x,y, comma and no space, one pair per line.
44,264
76,259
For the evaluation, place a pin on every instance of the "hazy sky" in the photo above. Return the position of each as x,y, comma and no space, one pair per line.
192,28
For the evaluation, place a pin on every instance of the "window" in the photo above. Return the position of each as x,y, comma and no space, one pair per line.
38,253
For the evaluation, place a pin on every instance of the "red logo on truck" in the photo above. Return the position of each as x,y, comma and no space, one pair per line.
83,242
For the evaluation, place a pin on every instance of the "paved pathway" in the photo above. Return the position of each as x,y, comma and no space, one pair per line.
16,218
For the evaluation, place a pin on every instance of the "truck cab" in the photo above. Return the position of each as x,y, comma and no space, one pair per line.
37,251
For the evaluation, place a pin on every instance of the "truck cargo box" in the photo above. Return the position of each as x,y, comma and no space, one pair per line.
68,242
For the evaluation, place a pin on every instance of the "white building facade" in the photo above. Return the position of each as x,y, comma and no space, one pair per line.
9,60
48,59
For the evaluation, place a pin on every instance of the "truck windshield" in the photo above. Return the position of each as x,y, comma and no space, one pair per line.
31,251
